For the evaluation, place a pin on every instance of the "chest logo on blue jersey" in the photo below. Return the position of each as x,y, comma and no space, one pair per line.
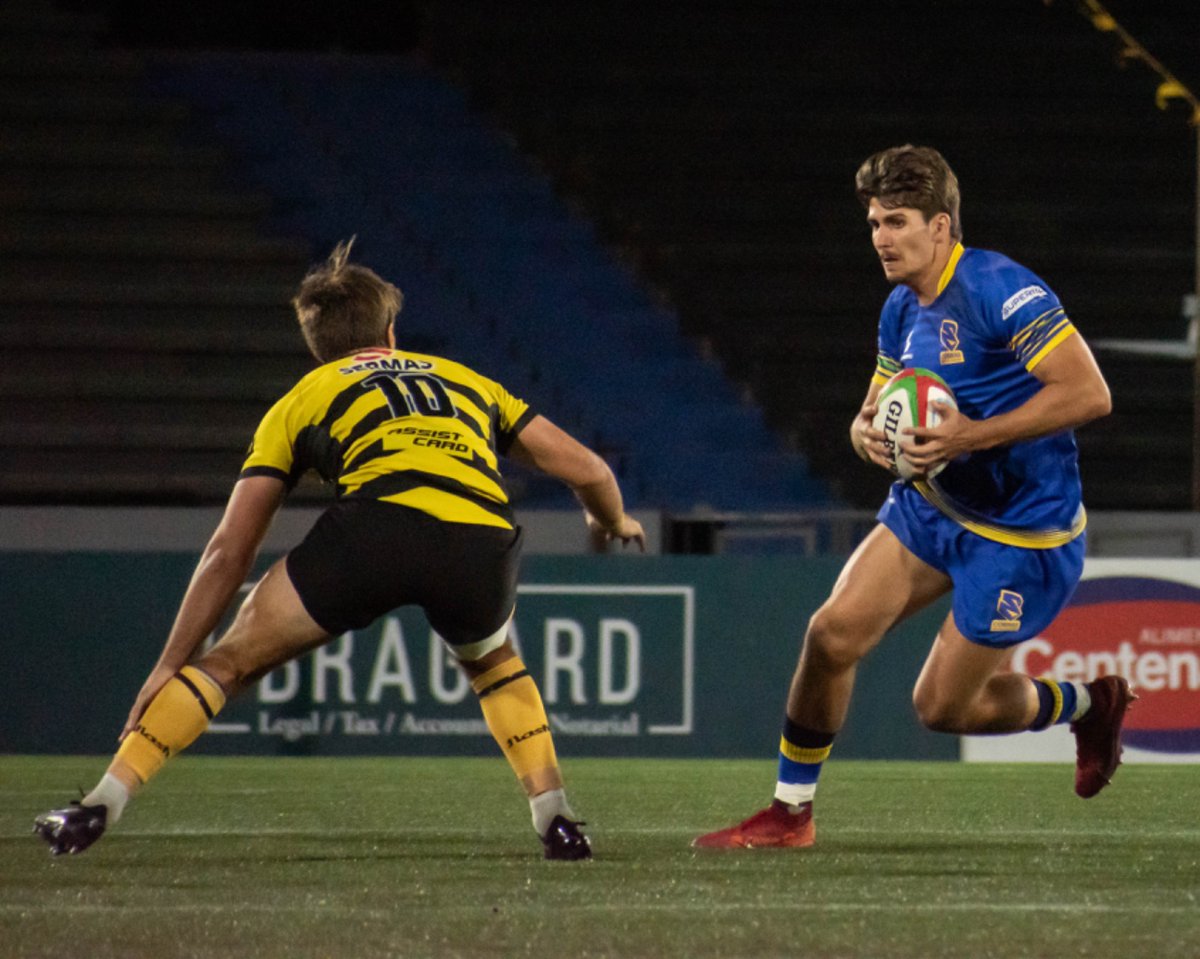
1009,608
948,337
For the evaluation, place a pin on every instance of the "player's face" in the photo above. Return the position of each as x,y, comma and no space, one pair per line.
904,241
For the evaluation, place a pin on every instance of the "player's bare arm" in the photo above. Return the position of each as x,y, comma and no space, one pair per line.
554,451
1073,393
223,567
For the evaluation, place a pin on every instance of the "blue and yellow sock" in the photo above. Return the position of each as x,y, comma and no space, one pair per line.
801,753
1058,703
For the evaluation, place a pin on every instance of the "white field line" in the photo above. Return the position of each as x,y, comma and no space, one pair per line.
784,903
935,835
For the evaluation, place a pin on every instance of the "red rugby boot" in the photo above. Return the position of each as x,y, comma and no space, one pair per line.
1098,735
774,826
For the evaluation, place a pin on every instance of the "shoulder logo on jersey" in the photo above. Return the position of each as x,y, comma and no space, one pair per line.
1009,608
907,354
948,337
1019,299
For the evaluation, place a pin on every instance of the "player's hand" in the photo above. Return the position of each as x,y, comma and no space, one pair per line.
626,530
157,679
926,446
867,441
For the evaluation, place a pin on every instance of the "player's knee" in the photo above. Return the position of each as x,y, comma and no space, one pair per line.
938,713
832,640
229,669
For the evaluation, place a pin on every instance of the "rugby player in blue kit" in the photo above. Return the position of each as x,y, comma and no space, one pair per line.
1002,525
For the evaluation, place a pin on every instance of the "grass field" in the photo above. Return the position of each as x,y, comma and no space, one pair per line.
351,858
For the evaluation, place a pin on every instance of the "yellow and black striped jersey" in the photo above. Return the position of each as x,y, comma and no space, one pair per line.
407,428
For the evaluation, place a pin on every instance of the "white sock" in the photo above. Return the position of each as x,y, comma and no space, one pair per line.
110,792
795,794
545,806
1083,702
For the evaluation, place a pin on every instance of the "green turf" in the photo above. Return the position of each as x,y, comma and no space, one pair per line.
435,857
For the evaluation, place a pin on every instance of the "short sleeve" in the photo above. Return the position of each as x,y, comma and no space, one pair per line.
887,359
272,451
512,416
1027,315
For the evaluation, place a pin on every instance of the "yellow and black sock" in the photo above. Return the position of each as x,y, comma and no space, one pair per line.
179,713
513,710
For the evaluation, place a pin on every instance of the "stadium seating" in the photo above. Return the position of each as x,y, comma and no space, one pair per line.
172,173
716,145
143,319
153,204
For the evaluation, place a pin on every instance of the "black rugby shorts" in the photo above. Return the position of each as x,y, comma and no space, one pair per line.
365,558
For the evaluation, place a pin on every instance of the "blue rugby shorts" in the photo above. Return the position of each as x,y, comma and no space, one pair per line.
1003,595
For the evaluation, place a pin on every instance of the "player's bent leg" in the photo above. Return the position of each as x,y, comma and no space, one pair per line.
175,717
271,627
961,691
852,622
846,627
516,716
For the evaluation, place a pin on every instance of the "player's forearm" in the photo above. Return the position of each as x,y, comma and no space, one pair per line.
1052,409
602,499
218,576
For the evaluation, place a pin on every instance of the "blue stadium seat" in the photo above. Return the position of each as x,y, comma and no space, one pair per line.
495,269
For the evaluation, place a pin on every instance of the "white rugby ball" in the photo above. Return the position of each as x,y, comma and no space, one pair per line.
906,400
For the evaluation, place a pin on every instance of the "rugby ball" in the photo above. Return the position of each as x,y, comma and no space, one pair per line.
907,400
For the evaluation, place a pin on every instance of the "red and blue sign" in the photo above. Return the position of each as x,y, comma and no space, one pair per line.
1145,629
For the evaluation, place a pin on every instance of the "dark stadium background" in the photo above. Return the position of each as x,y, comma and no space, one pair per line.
710,148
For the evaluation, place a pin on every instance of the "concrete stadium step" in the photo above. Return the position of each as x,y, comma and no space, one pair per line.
180,246
46,64
118,195
141,376
42,110
67,133
102,475
143,417
139,184
220,319
213,227
114,271
174,479
144,291
51,151
275,333
198,432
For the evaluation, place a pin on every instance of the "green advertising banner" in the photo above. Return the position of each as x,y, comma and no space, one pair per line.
651,656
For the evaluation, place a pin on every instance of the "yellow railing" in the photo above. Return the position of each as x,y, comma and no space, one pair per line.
1170,87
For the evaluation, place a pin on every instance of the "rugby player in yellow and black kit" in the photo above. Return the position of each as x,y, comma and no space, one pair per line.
412,443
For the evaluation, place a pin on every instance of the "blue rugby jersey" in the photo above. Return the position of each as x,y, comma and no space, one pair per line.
990,325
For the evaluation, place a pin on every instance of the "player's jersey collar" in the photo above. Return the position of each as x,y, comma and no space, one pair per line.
948,272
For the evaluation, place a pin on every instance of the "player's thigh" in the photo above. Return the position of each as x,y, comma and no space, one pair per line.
271,628
881,584
955,672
